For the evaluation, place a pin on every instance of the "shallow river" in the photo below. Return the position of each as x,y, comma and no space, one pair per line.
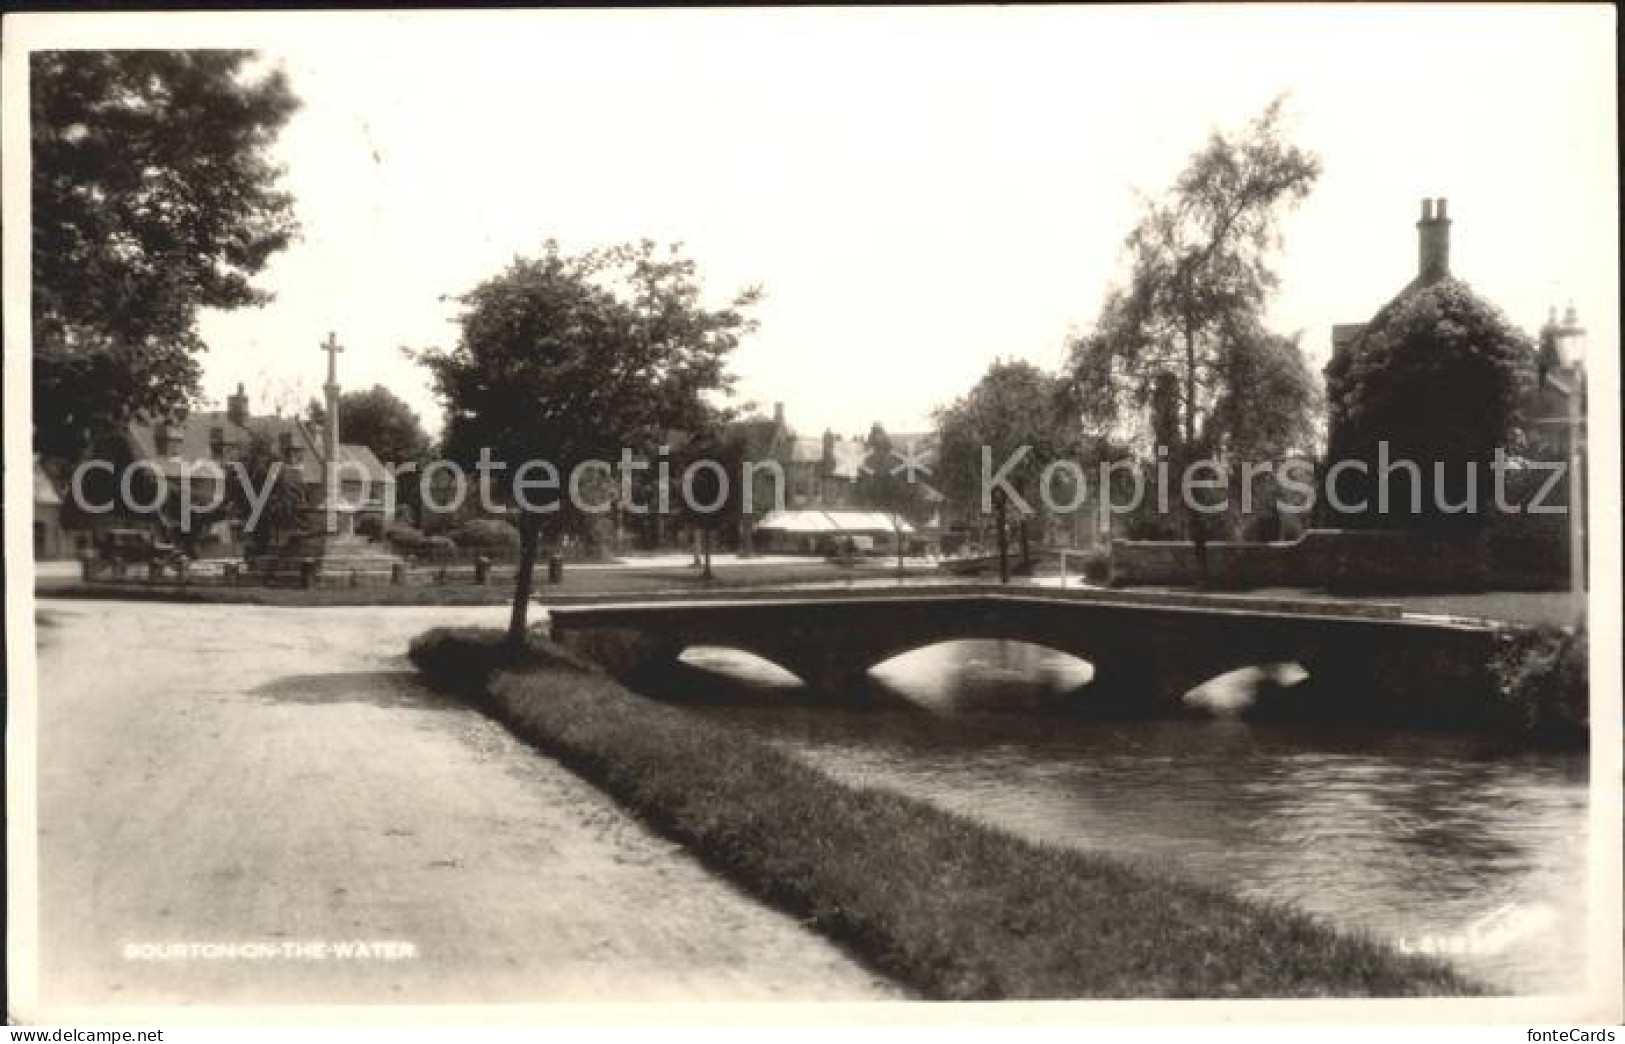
1432,842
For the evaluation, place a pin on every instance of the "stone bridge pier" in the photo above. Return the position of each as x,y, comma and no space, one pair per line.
1145,657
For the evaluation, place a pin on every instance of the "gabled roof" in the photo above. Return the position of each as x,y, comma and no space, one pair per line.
356,458
805,449
45,492
757,436
201,431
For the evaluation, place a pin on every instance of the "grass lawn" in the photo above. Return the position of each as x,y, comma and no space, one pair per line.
1527,608
380,594
595,580
951,907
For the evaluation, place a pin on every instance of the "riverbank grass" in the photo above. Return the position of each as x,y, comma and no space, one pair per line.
950,907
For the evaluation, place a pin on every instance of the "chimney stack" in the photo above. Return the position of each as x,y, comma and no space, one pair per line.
1433,242
237,407
778,414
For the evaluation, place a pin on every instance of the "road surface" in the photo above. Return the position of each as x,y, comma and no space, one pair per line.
232,798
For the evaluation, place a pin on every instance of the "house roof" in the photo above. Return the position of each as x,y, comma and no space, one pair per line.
45,493
758,436
806,449
1345,333
199,432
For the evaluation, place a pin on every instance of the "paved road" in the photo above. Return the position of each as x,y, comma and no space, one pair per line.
278,779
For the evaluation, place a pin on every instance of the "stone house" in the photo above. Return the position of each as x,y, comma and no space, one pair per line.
204,445
50,539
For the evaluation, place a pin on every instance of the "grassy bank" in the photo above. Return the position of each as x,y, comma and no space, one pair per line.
948,906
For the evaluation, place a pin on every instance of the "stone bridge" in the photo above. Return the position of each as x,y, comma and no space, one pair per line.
1147,651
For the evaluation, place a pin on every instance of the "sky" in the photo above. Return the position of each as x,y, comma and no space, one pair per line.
918,191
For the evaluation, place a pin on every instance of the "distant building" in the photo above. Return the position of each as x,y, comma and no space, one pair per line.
820,477
1558,379
50,539
203,445
1522,548
1559,393
807,531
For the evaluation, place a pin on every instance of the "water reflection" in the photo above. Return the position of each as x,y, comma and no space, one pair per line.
1429,841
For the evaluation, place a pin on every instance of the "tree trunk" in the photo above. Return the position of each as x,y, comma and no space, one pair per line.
529,534
1004,538
897,535
1194,519
1026,549
705,553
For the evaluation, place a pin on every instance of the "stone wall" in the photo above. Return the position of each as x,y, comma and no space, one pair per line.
1518,552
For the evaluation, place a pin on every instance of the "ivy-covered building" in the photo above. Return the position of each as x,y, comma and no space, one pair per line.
1427,393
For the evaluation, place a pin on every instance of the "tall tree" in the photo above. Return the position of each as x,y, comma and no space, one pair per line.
708,493
995,443
378,419
154,196
567,358
887,482
1199,277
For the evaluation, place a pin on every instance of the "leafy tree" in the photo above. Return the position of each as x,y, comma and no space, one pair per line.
286,498
1015,422
885,483
378,419
566,358
1267,400
154,196
1199,278
1439,375
707,476
486,534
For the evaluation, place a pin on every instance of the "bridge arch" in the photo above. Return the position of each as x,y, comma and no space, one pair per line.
739,664
953,655
1239,690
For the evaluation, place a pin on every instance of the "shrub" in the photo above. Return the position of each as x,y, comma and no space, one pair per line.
1097,568
1542,676
402,537
463,659
437,547
370,526
487,534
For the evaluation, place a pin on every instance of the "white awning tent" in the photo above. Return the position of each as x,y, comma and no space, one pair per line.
832,523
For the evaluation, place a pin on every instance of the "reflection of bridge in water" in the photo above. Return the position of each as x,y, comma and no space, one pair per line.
1147,650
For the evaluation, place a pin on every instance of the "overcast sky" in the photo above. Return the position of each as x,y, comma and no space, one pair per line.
918,191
